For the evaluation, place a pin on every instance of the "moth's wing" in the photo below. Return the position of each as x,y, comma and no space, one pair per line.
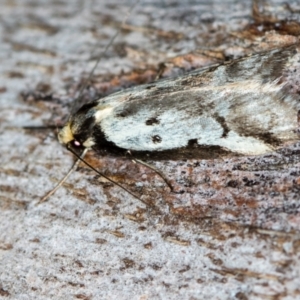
241,106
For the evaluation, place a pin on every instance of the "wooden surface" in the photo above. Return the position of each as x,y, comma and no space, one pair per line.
233,232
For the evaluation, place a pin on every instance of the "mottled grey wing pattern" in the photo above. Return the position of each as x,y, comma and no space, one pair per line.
244,106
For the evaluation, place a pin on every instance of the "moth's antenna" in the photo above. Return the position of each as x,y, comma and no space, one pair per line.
62,181
39,128
83,87
80,158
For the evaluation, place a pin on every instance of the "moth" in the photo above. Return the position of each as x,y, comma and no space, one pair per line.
247,106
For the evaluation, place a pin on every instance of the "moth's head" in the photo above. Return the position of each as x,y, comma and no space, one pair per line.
77,134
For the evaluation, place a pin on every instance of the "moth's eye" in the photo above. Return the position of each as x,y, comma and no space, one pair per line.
76,144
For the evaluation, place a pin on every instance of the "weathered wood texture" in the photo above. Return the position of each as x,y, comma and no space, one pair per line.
233,233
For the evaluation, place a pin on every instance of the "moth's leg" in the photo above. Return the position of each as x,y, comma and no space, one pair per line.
160,71
155,170
62,181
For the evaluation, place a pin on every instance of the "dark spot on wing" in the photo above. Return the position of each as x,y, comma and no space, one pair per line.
152,121
193,143
222,122
123,113
156,139
268,138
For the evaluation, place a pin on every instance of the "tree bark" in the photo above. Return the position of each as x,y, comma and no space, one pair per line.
233,232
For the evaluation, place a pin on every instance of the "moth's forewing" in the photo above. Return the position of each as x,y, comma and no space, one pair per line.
247,106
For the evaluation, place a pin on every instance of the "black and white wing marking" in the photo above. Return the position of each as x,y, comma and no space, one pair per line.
241,106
